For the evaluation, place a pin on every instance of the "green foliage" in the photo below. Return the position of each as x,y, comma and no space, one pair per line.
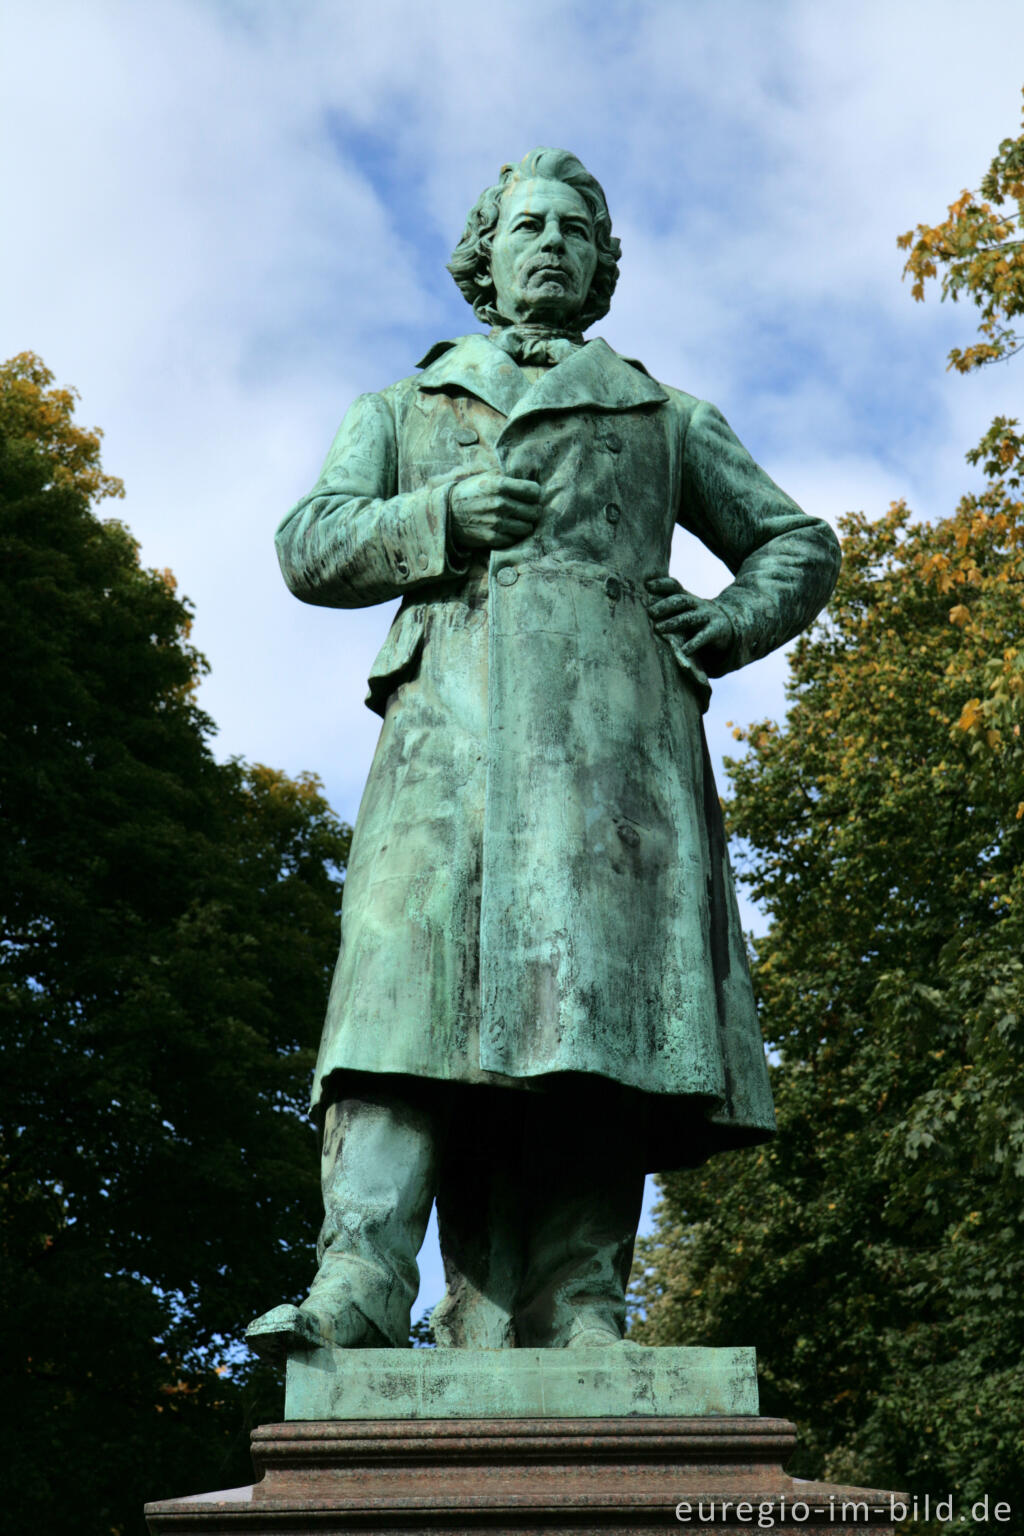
168,927
874,1253
980,253
421,1334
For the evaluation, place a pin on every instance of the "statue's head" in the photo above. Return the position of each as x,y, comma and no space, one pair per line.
538,246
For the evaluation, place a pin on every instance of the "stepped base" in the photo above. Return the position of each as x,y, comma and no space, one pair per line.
526,1477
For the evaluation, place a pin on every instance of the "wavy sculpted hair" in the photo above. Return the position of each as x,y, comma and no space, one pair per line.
470,265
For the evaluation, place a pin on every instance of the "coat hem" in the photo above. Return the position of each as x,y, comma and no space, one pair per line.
674,1140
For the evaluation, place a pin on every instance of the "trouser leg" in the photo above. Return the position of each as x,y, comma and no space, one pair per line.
539,1198
480,1219
584,1183
378,1172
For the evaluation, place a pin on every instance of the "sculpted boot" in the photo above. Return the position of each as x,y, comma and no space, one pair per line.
378,1173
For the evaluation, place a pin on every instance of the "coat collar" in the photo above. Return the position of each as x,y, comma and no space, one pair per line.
592,376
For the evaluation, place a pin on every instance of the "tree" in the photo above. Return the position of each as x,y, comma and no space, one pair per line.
168,927
875,1252
978,247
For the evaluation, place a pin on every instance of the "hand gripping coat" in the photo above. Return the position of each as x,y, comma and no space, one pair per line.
539,883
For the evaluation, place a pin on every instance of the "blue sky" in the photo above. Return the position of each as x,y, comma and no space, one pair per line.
225,220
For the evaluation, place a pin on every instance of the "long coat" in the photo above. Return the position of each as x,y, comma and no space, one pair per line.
539,883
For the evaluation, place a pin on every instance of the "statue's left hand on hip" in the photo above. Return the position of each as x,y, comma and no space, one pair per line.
696,626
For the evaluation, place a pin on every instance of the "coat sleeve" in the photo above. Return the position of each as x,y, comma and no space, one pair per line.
353,541
784,563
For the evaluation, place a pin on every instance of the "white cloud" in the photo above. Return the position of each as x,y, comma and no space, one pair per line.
234,219
224,221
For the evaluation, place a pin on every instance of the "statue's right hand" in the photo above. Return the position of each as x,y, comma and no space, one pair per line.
489,511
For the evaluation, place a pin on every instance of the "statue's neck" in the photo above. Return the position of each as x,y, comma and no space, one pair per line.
535,330
536,346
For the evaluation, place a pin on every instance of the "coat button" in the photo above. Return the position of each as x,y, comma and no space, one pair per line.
507,576
466,436
613,512
402,568
613,442
422,561
613,587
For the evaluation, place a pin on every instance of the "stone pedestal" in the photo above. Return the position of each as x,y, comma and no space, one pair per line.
624,1439
525,1477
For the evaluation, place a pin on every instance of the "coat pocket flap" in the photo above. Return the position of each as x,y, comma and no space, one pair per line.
397,658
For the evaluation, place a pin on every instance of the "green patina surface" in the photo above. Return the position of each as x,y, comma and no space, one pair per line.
539,882
538,895
621,1381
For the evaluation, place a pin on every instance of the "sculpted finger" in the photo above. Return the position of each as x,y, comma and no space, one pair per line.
668,607
661,586
475,492
519,511
515,528
519,490
684,624
469,499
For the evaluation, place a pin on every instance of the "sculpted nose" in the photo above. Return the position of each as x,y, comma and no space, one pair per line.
553,239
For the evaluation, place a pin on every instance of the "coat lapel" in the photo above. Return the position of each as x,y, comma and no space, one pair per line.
593,376
473,365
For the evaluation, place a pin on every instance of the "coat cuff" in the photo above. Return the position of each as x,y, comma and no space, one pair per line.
751,631
418,548
458,559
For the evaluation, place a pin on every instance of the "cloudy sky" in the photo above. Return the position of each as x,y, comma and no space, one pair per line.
226,218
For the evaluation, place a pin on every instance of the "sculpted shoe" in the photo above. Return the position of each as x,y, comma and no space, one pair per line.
286,1329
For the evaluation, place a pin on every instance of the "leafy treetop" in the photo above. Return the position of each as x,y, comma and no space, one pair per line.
40,427
980,253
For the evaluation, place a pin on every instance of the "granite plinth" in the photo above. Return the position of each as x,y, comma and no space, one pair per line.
618,1381
527,1477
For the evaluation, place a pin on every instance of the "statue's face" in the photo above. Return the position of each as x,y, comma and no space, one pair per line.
543,253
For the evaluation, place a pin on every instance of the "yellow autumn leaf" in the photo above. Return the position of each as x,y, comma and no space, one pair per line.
970,715
959,615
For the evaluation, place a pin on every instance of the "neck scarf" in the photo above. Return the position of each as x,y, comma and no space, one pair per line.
536,345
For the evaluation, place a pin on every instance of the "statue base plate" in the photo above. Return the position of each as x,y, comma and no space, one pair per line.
616,1381
527,1477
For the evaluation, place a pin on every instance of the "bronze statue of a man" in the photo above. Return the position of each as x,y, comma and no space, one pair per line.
542,991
